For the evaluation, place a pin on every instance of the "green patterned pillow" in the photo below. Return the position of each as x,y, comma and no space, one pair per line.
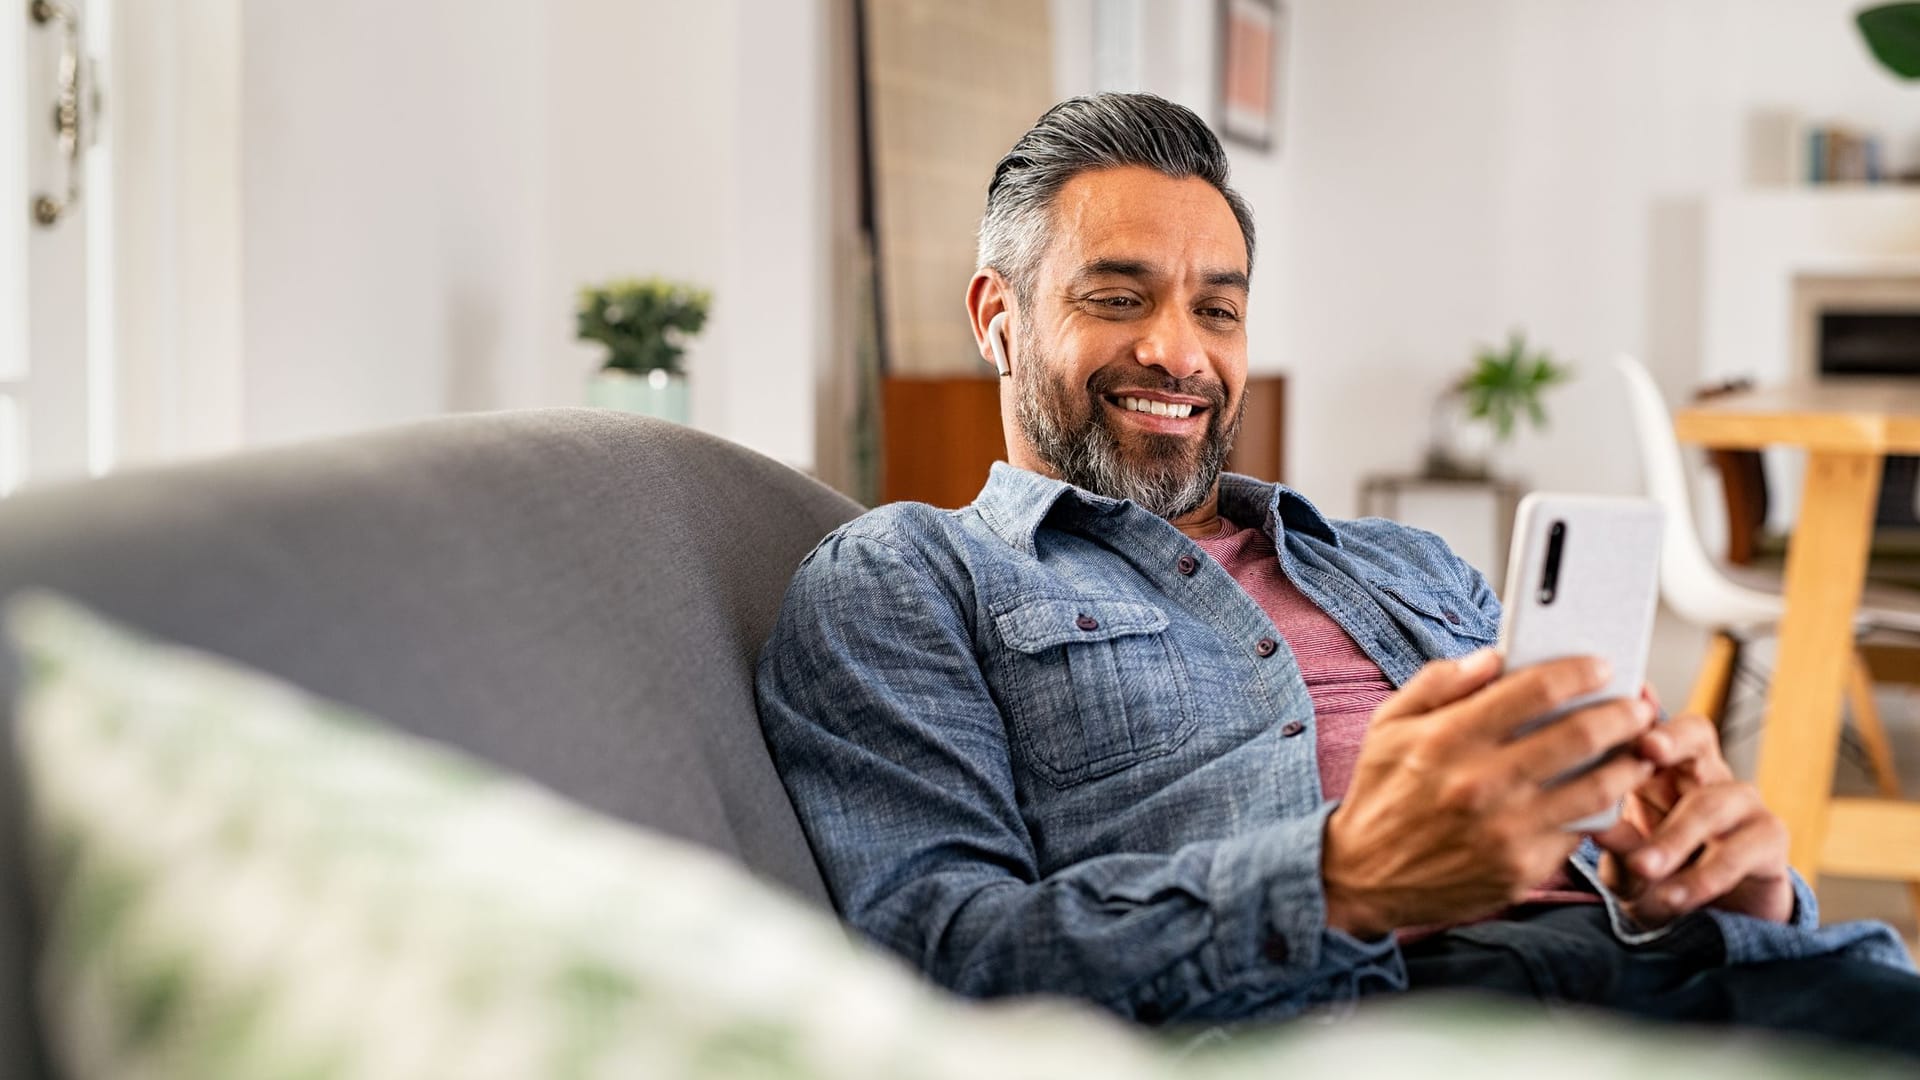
241,881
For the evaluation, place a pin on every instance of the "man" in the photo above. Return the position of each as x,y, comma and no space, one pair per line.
1130,730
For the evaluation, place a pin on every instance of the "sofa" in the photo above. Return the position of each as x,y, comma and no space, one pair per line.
575,595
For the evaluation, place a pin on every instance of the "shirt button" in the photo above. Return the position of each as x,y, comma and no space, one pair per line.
1274,949
1266,646
1453,618
1087,622
1294,727
1187,565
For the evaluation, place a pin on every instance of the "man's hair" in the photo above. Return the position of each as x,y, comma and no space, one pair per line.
1082,134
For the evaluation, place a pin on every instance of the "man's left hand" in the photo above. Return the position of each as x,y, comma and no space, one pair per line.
1692,836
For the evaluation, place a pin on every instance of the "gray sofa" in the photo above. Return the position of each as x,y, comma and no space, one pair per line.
576,595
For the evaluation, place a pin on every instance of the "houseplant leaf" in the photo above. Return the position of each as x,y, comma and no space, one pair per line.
1892,32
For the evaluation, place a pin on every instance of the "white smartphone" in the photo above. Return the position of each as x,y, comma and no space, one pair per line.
1583,579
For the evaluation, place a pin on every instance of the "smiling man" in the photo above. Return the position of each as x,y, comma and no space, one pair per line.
1172,741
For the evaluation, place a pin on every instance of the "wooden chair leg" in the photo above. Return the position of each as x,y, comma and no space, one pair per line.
1713,685
1873,734
1873,737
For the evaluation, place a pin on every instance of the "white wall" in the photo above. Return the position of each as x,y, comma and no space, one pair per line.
389,210
427,186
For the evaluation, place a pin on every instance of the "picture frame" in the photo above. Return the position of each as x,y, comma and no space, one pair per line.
1252,48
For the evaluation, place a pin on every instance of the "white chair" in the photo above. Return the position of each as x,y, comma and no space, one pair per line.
1699,591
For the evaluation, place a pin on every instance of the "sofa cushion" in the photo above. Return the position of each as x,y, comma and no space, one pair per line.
243,881
575,595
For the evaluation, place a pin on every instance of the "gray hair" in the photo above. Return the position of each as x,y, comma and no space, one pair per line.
1082,134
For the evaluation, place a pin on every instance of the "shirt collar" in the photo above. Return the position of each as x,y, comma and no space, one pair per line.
1015,502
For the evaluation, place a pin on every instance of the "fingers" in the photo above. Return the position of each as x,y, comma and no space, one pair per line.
1701,815
1511,703
1591,792
1574,740
1689,741
1440,684
1754,850
1623,838
1617,842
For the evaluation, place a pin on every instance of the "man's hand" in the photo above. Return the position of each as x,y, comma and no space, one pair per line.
1691,836
1449,815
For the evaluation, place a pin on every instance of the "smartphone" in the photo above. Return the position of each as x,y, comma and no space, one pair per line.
1583,579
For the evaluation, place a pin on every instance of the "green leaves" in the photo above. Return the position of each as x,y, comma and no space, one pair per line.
1506,383
643,322
1893,33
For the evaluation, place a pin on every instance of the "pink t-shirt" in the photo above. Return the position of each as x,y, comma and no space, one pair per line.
1344,683
1342,680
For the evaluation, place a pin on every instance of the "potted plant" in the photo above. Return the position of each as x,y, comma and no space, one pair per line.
645,324
1480,413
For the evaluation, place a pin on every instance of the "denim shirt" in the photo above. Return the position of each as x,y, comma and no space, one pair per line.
1044,744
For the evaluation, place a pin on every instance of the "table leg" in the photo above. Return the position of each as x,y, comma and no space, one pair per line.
1826,569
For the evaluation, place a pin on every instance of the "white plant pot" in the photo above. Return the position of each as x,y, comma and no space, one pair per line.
657,394
1457,442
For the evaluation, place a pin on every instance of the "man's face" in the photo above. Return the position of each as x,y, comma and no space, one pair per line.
1132,354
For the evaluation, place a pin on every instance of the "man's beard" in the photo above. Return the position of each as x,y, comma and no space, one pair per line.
1167,475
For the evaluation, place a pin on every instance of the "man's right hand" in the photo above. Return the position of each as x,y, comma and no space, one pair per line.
1448,817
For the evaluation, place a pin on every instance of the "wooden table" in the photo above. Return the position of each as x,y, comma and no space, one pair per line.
1847,429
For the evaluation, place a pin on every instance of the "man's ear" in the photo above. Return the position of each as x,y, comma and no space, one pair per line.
989,302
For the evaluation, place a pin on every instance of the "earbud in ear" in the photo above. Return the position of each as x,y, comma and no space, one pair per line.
997,341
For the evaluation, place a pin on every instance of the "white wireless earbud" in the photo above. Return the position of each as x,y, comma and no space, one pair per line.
997,341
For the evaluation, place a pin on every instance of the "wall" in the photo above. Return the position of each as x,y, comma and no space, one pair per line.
389,210
427,186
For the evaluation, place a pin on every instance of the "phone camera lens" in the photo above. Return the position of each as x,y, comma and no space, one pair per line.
1550,574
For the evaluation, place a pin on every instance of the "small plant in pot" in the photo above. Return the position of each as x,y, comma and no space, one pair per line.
645,324
1481,413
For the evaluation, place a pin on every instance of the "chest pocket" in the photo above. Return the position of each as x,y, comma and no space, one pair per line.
1092,686
1439,612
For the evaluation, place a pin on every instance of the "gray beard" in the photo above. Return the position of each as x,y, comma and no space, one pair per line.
1171,479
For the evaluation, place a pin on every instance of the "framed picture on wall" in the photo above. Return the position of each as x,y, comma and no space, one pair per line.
1251,51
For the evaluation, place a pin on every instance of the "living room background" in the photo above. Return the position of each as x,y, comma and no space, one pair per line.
418,190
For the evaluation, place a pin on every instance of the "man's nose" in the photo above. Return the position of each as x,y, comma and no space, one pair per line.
1172,346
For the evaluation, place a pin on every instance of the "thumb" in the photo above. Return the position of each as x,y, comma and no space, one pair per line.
1440,684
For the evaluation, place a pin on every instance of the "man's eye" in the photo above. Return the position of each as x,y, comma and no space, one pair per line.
1117,301
1220,313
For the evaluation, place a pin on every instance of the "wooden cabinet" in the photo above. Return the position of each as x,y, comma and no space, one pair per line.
940,436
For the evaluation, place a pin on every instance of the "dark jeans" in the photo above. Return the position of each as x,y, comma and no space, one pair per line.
1566,954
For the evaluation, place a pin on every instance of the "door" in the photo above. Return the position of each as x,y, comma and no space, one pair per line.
53,288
